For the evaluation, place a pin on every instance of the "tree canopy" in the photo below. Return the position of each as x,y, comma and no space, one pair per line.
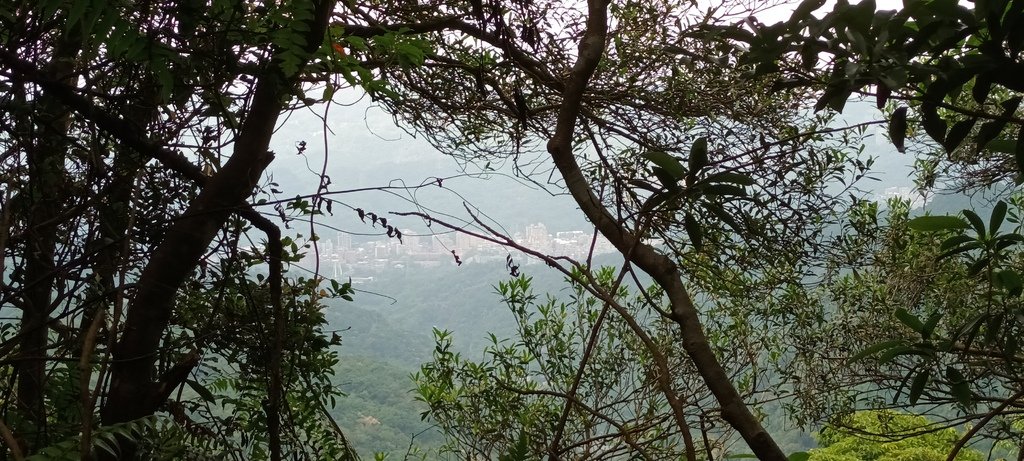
157,315
886,435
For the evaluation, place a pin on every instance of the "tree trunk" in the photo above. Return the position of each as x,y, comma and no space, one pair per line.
46,174
134,393
660,267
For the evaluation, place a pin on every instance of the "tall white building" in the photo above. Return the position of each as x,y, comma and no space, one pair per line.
344,241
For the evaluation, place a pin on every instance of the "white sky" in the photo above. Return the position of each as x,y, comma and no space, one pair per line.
781,12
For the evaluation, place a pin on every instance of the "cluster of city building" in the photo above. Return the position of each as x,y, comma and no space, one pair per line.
343,257
903,192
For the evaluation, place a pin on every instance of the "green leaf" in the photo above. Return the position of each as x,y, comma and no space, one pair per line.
799,456
875,348
667,162
201,390
328,92
888,355
1011,281
1013,238
724,216
106,446
910,320
357,43
89,20
166,79
693,230
970,329
49,7
698,155
799,14
993,327
75,13
1001,145
917,387
1002,244
981,88
933,124
658,198
989,130
978,266
996,220
667,180
519,452
955,241
808,56
930,324
976,222
898,129
1011,345
118,39
958,386
974,244
1018,155
936,223
860,14
957,134
882,93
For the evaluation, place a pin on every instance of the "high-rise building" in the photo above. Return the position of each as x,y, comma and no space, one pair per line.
344,241
537,234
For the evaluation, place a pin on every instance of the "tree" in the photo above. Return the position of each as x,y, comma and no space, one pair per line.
591,352
888,435
124,221
624,129
926,327
941,290
653,129
655,135
952,64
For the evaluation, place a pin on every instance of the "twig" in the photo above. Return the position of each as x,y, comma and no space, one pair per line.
977,427
85,369
11,442
575,401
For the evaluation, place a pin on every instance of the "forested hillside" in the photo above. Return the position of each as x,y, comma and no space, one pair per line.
662,238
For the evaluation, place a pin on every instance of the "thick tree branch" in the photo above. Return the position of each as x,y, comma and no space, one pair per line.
660,267
125,131
133,394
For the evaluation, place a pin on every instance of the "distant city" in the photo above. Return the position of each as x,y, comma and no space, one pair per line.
903,192
341,257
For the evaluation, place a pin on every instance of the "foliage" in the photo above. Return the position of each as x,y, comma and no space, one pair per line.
679,144
105,439
924,325
951,63
745,206
379,412
700,176
576,381
888,436
132,136
135,136
933,300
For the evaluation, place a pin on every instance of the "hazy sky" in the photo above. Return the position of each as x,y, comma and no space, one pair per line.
366,149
